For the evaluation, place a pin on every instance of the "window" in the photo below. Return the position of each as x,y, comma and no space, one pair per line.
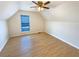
25,26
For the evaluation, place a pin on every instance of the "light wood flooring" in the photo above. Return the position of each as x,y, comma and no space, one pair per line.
37,45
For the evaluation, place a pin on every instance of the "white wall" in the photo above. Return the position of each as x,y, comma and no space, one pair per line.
3,34
36,23
7,9
63,22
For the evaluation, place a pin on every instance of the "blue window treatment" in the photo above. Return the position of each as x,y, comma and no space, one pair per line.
25,25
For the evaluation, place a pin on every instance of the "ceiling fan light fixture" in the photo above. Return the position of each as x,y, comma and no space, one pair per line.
40,8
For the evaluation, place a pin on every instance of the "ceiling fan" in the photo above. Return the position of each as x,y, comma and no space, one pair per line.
41,5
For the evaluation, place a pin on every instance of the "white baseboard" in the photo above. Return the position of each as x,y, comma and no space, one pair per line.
77,47
3,45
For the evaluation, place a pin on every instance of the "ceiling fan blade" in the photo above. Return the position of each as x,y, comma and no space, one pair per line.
34,2
46,2
46,7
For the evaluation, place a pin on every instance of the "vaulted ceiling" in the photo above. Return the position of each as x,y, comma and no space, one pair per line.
9,8
26,5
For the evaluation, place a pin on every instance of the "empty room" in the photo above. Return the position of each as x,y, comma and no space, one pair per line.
39,28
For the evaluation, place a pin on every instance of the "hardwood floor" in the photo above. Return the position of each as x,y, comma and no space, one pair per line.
37,45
